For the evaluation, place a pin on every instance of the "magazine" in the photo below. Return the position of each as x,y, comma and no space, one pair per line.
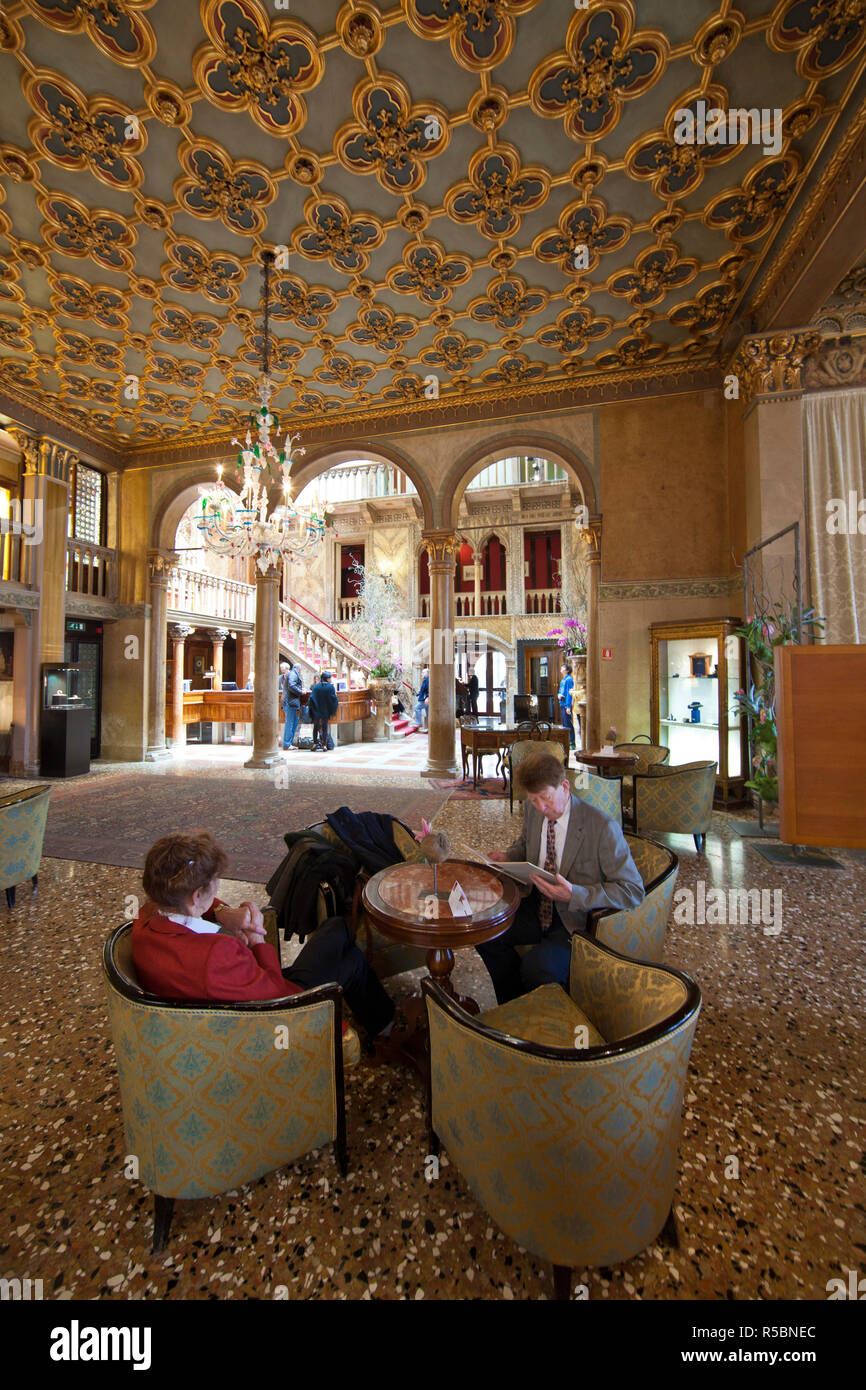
520,869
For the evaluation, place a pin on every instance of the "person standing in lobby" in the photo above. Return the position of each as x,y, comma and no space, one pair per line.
291,689
473,694
322,705
566,689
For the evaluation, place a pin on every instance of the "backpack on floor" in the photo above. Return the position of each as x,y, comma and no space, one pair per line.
315,881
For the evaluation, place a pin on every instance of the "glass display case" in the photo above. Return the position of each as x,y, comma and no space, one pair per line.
66,687
67,703
697,668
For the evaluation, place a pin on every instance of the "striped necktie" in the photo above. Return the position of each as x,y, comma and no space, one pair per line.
545,912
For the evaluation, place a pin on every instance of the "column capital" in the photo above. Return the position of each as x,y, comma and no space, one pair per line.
591,537
218,634
160,562
770,365
43,457
440,546
180,631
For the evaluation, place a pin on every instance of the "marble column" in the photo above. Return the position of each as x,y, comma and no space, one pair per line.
592,732
477,577
266,750
37,544
243,658
179,634
218,637
441,761
159,563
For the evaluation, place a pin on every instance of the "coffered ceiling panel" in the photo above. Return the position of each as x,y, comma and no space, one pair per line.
481,193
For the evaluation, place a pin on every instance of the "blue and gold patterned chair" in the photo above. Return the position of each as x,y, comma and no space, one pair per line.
639,932
216,1094
601,792
648,755
678,800
22,830
562,1111
386,957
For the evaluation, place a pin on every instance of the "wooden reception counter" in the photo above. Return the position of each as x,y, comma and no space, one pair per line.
236,707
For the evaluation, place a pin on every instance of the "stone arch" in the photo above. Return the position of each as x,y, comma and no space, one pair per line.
324,456
480,635
509,443
171,507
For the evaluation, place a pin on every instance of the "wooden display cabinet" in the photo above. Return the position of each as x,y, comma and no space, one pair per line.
719,732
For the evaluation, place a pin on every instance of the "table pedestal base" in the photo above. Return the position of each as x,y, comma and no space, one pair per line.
410,1038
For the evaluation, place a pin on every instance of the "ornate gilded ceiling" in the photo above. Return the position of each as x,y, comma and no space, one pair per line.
464,196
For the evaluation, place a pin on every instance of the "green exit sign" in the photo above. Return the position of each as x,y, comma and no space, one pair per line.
76,627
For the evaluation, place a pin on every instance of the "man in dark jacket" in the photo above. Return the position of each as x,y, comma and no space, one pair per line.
322,705
473,694
291,687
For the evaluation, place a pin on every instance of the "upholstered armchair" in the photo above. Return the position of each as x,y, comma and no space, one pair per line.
23,815
386,957
601,792
678,800
519,752
216,1094
562,1110
639,932
648,755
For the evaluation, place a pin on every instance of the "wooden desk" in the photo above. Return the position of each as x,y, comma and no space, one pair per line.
477,741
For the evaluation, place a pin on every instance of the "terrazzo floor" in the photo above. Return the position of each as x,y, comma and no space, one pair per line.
777,1082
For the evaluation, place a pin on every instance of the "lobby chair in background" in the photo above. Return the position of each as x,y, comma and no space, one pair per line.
678,800
23,815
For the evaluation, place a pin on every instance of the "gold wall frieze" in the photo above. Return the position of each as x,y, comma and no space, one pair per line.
769,365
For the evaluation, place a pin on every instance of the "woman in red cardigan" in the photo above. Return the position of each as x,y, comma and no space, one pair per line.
188,944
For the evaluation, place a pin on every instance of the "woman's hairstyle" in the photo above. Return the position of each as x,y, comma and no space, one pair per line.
179,864
541,770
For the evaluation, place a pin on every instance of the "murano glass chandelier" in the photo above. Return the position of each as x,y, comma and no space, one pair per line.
239,525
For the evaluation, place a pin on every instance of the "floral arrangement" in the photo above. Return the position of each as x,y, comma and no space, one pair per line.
385,666
382,608
764,631
571,637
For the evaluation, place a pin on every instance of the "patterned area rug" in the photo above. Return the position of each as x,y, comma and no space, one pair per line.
115,820
489,788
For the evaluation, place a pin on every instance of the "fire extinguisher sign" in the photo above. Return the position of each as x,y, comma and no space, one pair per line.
607,653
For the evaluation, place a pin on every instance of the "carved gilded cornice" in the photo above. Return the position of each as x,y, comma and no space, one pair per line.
830,199
771,365
837,363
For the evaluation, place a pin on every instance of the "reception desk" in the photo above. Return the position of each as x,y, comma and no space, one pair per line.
236,707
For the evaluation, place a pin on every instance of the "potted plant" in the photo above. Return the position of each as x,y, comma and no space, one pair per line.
571,637
767,628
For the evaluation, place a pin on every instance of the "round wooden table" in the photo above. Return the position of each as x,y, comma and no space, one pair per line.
609,764
402,903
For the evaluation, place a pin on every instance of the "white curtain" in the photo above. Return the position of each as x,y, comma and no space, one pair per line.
835,456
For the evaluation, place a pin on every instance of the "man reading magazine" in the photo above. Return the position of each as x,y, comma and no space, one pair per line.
587,852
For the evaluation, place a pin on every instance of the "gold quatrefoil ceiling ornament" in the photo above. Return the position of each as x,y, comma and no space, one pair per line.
473,206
